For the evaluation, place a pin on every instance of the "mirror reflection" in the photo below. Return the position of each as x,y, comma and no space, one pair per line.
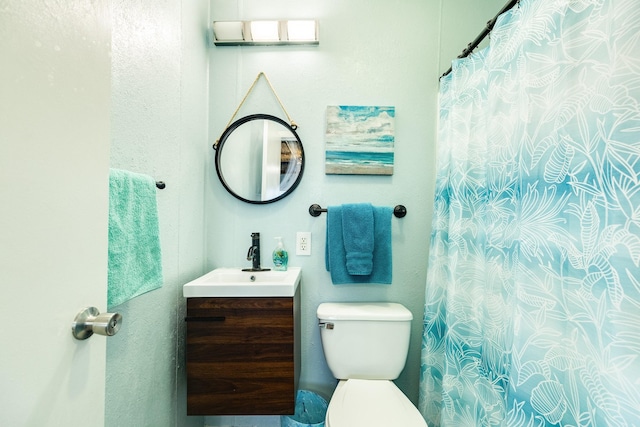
260,159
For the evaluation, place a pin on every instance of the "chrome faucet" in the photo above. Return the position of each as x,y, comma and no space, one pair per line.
254,254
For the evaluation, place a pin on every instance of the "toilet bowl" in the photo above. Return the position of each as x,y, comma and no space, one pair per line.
366,345
371,403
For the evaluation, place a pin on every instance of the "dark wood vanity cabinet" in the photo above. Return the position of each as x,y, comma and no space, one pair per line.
243,355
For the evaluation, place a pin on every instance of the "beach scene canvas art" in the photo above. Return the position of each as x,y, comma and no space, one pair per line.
360,140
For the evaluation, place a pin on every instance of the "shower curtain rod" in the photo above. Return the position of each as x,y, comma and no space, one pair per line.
487,29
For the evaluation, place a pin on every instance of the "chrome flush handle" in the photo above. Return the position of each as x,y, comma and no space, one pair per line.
326,325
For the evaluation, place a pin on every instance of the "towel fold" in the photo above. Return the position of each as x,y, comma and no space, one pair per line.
357,233
336,254
134,265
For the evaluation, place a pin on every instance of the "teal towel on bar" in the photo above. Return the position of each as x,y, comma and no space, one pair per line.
335,252
357,233
135,264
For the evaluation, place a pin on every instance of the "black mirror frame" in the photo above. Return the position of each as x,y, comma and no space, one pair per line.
229,130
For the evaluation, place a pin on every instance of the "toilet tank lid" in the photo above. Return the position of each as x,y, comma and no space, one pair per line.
387,311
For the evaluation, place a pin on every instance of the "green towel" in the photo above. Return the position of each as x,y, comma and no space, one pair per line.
135,264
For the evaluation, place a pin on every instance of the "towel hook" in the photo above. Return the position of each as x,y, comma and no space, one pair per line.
399,211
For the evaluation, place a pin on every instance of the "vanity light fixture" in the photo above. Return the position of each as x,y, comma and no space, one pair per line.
265,33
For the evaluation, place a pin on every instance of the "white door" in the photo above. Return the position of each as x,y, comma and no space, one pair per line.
54,159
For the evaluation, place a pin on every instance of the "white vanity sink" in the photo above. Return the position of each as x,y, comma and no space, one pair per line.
233,282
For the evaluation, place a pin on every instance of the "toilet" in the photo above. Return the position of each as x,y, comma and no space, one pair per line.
366,345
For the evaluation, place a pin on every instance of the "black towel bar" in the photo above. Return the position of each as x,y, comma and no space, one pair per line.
399,211
160,184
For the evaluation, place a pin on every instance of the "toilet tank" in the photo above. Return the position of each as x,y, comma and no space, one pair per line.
365,340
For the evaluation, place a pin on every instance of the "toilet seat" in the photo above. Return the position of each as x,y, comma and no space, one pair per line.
371,403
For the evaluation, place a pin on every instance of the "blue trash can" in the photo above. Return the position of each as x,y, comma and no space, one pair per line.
311,410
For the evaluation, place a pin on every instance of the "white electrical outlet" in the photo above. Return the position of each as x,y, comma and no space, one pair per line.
303,243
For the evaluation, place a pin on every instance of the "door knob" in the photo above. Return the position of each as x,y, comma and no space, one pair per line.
89,321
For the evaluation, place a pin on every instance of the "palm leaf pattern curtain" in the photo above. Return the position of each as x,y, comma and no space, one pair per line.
532,314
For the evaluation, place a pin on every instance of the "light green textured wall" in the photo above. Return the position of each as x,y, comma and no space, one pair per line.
159,127
370,53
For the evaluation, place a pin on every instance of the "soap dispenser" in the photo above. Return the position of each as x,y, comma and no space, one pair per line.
280,256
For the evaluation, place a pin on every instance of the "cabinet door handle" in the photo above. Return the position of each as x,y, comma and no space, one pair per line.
204,319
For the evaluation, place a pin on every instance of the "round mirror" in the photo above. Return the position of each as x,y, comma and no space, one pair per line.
259,159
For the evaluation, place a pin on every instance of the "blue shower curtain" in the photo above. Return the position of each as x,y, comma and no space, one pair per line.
532,314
